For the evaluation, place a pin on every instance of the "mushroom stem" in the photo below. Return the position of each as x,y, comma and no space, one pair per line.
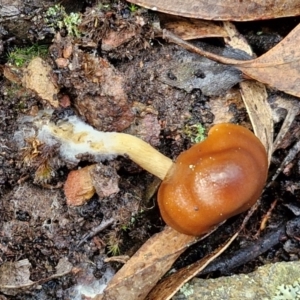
76,137
142,153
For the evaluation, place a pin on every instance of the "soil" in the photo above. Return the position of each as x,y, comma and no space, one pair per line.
117,84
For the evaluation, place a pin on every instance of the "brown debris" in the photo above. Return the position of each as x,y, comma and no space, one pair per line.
138,276
68,49
98,88
189,29
12,74
121,34
83,183
101,96
105,180
146,125
62,62
115,39
65,101
79,187
37,78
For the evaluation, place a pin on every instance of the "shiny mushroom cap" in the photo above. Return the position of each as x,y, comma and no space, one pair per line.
214,180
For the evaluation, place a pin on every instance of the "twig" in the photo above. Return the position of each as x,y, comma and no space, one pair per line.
291,155
171,37
225,264
265,219
104,224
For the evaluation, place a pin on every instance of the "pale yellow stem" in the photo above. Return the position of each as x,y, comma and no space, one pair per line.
82,138
143,154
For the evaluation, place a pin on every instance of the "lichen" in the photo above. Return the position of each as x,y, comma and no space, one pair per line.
288,291
187,290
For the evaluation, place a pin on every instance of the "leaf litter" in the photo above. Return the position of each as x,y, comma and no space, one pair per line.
283,59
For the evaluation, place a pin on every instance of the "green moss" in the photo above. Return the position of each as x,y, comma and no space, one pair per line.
57,18
196,132
20,56
113,243
113,249
133,220
71,23
133,8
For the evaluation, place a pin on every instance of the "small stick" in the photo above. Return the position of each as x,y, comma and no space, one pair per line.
171,37
265,219
103,225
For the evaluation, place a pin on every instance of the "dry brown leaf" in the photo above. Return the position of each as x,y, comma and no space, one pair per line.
14,276
221,106
245,10
169,286
283,59
63,267
255,97
280,66
147,266
114,39
189,29
235,39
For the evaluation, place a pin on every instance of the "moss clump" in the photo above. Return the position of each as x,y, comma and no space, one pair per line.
113,244
57,18
20,56
196,133
133,8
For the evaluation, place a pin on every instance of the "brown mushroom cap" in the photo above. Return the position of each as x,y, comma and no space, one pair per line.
214,180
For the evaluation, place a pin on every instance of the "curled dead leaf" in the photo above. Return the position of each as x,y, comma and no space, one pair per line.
14,276
283,59
140,274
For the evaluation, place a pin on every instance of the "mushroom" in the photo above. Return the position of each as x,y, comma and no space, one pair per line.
213,180
209,183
